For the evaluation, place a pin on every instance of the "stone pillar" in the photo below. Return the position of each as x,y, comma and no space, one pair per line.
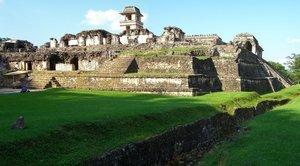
81,41
53,43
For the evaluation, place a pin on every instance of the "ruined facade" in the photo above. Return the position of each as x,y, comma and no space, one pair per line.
16,46
249,42
93,59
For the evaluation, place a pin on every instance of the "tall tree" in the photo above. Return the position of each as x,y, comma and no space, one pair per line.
280,68
294,65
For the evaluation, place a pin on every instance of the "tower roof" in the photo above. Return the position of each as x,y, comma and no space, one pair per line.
131,10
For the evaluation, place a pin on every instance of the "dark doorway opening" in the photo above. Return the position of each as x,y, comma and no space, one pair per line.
74,61
53,60
248,46
29,65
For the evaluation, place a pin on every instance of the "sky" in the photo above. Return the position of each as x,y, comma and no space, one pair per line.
275,23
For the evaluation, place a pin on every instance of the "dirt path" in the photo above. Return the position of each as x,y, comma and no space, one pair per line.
9,90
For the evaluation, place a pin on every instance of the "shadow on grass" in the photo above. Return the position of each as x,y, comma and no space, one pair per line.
66,127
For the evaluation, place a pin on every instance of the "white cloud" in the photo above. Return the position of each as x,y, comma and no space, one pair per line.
109,18
145,18
293,40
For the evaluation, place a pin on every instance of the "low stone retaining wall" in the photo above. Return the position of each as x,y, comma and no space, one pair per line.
172,85
172,145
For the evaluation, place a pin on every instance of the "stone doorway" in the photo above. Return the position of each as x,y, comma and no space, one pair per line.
248,46
74,61
53,60
28,65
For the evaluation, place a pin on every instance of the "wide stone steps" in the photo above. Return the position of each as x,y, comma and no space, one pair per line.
116,66
40,82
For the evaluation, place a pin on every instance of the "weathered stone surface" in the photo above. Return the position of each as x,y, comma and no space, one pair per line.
16,46
161,149
243,114
171,35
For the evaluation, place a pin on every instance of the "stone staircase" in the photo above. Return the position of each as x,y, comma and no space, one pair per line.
273,73
53,83
43,82
118,66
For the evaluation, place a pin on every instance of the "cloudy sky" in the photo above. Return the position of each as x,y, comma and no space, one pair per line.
275,23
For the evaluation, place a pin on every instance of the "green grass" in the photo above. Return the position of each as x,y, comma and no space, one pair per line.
179,50
68,126
272,138
288,93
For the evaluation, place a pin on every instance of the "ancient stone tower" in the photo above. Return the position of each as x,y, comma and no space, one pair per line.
132,18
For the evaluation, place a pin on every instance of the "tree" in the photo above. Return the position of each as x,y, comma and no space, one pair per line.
4,39
294,65
280,68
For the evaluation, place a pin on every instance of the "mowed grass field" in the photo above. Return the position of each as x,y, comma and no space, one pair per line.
271,139
70,126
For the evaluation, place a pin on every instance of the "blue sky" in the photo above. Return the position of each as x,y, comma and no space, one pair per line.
275,23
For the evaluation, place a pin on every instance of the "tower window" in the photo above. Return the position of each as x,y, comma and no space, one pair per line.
129,17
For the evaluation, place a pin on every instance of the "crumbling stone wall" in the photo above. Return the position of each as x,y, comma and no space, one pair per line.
94,81
202,83
241,71
16,46
166,64
171,34
248,42
227,71
165,84
204,66
209,40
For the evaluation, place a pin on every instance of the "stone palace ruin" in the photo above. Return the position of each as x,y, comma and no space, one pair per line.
138,60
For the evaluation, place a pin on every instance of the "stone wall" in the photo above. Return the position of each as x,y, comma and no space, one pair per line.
245,72
228,74
176,144
166,64
64,67
204,67
95,81
241,71
40,65
16,66
252,70
210,40
201,83
175,85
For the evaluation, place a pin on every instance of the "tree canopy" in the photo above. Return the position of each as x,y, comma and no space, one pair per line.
280,68
294,65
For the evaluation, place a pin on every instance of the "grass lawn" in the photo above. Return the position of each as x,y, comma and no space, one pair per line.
70,126
67,126
272,139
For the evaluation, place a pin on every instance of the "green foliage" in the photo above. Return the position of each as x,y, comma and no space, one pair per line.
294,64
180,50
4,39
280,68
288,93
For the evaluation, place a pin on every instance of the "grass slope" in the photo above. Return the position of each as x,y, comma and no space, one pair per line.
68,126
272,139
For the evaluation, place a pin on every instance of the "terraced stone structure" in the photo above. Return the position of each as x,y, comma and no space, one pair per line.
138,60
